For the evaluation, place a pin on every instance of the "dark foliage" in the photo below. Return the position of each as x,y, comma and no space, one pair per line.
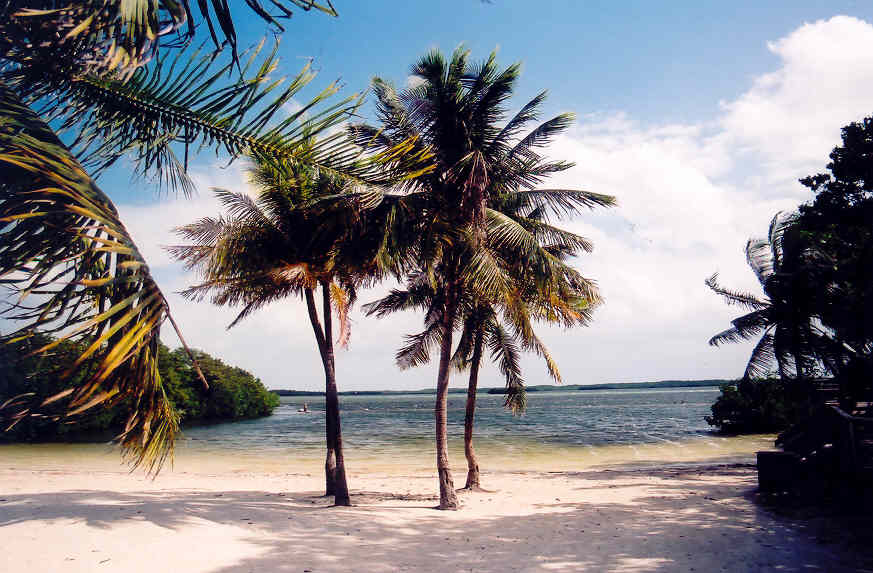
816,270
838,225
761,405
233,392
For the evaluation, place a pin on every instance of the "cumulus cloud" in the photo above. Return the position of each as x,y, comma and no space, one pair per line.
689,197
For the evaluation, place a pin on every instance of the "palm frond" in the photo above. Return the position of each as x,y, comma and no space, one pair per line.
342,300
561,203
76,272
121,35
505,351
761,359
742,299
417,347
744,327
542,135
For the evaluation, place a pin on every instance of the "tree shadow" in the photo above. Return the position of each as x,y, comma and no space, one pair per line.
673,522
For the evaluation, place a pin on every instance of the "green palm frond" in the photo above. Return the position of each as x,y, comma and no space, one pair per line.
185,101
75,271
541,136
504,348
102,36
560,203
417,348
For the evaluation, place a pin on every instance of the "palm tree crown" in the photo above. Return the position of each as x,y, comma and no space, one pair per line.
783,318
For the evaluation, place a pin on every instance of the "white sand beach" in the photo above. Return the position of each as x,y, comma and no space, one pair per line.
77,517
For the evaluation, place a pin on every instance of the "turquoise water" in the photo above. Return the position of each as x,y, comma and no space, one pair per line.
572,418
561,431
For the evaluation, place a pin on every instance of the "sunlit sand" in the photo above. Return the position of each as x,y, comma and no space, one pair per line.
661,507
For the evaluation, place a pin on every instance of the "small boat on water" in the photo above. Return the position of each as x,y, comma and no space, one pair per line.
304,409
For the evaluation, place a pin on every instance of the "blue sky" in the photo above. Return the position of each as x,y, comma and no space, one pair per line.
659,61
699,116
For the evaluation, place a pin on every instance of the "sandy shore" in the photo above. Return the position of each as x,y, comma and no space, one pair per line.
701,518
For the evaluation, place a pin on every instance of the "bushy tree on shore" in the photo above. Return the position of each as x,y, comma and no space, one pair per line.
816,269
233,393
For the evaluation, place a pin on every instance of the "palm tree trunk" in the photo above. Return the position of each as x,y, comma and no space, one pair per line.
334,467
332,411
448,498
469,452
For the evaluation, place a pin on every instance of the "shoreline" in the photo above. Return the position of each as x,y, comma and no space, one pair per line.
195,456
676,516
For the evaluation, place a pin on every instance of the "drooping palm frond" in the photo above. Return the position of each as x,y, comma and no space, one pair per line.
186,101
417,348
743,299
744,327
107,35
783,316
75,271
506,353
761,359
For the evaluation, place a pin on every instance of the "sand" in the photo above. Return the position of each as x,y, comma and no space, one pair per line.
693,518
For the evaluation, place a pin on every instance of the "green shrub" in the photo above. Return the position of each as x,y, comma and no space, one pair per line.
760,406
233,393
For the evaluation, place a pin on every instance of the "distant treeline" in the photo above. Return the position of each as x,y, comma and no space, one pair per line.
233,393
538,388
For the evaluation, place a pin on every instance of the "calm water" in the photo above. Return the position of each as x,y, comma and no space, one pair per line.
573,418
560,431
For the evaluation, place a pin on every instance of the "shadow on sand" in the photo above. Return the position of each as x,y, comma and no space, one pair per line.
681,520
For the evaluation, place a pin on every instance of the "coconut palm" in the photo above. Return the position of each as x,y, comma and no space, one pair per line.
292,239
443,224
481,324
70,265
783,317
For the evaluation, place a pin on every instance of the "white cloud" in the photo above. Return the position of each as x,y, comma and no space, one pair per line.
792,117
690,196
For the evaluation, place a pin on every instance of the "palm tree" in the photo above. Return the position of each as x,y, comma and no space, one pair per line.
443,221
292,239
103,72
481,324
783,317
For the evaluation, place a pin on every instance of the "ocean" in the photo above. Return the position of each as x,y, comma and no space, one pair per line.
560,430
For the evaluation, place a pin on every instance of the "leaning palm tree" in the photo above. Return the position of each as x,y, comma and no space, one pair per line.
783,317
292,239
443,224
102,73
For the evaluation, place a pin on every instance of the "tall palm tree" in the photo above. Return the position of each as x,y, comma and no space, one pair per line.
102,72
783,317
456,111
292,239
481,324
